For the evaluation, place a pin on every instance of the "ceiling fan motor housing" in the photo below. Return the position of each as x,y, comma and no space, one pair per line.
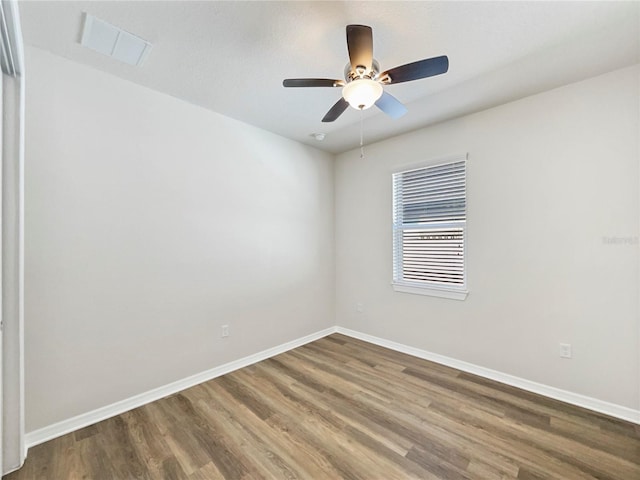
351,74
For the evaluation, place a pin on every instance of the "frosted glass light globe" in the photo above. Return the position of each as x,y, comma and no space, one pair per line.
362,93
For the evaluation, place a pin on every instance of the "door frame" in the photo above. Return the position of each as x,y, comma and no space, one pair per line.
12,426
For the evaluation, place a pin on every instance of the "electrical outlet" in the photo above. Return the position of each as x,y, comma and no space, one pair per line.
565,350
359,307
225,331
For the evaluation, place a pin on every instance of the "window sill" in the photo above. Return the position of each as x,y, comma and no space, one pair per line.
431,291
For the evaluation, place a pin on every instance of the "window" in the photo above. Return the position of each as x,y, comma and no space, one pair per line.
429,229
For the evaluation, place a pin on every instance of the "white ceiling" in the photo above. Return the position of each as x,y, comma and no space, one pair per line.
231,57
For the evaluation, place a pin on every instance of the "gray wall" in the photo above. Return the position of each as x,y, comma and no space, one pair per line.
550,177
150,223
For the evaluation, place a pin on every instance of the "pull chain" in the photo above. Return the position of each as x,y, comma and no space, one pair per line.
361,134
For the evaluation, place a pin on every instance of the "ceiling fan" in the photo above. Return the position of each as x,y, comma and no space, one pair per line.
363,85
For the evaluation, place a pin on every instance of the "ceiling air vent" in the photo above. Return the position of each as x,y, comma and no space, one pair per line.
114,42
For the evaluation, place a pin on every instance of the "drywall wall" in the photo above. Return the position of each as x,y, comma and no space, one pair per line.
552,246
150,223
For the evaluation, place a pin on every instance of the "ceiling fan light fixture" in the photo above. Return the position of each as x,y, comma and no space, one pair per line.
362,93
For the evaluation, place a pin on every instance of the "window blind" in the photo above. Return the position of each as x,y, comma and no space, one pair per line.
429,225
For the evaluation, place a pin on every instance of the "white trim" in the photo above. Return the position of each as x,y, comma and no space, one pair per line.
458,157
22,438
83,420
583,401
431,291
66,426
12,44
13,447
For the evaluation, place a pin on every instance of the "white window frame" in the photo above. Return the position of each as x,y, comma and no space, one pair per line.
420,288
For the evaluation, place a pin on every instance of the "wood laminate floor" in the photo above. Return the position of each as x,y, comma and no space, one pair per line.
342,408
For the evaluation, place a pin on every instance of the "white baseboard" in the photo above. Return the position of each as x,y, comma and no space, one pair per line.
67,426
589,403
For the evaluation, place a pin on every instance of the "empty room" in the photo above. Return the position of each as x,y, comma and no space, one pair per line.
320,240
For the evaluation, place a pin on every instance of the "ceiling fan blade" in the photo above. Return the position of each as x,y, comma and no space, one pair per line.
336,110
360,45
391,105
312,82
416,70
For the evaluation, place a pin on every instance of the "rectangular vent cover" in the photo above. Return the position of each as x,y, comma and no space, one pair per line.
114,42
